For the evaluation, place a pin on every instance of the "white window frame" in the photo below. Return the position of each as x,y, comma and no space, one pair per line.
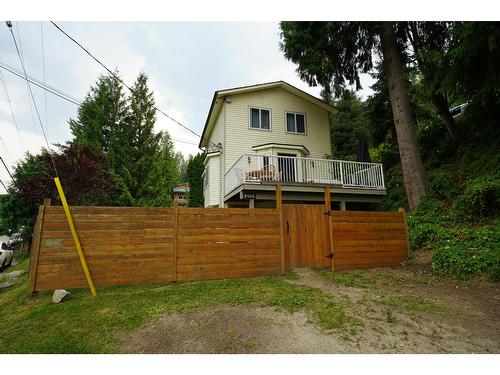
250,119
205,178
295,115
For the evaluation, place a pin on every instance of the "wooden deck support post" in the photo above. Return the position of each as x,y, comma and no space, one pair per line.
279,207
35,246
328,208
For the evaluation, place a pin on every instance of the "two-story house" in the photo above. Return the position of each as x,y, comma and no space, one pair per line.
258,136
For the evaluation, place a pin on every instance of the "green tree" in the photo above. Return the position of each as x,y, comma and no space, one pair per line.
333,54
86,178
194,173
348,125
103,110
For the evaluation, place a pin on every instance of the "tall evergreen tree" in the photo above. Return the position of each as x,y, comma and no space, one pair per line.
333,54
103,109
194,171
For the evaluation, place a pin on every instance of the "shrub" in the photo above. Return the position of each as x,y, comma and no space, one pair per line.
469,251
443,184
480,200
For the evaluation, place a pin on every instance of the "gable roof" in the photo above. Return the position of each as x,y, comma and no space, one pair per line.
220,94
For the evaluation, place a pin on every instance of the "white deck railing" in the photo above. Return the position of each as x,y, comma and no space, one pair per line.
252,168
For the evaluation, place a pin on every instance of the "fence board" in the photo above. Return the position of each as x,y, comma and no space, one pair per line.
128,245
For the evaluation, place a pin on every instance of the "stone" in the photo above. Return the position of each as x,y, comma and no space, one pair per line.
6,285
60,295
14,275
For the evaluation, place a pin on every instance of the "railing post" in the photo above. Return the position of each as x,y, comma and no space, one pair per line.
279,207
341,172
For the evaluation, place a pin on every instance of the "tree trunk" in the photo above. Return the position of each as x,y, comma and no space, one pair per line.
414,177
441,105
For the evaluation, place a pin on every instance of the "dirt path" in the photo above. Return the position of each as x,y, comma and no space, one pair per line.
232,329
404,315
407,317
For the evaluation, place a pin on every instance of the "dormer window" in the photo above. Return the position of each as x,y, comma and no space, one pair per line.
260,118
295,122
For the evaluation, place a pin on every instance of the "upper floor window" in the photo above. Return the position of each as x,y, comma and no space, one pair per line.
260,118
295,123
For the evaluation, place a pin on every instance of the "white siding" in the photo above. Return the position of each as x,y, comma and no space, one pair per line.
212,192
240,138
231,129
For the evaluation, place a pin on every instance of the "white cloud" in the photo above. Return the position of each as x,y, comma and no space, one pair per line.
185,62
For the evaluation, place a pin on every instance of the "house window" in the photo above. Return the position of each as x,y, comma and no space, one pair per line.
260,118
205,178
295,123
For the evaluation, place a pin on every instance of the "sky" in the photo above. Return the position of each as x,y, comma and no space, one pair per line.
185,62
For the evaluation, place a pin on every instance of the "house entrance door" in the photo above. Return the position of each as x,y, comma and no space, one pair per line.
286,167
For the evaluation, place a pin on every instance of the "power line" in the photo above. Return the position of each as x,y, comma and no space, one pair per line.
6,149
54,91
7,169
119,79
11,109
3,185
20,51
40,84
44,80
9,25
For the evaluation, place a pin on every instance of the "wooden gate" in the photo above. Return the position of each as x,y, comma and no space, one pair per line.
355,239
306,237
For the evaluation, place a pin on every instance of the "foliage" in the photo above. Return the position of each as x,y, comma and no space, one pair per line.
347,126
84,174
194,171
143,161
480,199
101,115
468,251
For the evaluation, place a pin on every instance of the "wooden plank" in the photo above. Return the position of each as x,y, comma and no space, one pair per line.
402,211
35,245
175,241
279,207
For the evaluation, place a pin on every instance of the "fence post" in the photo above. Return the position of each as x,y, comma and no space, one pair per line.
279,206
328,208
175,241
35,246
402,210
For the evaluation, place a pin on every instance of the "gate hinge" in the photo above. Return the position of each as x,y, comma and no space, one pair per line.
327,213
329,256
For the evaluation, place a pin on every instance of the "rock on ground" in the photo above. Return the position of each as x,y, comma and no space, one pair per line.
60,295
14,275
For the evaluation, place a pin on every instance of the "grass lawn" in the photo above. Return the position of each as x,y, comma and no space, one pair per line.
92,325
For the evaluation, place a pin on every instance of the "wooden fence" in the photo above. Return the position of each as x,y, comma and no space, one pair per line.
124,245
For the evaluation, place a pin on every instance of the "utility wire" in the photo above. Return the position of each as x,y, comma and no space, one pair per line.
9,25
3,186
7,169
11,109
59,93
40,84
118,78
6,150
44,79
22,61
